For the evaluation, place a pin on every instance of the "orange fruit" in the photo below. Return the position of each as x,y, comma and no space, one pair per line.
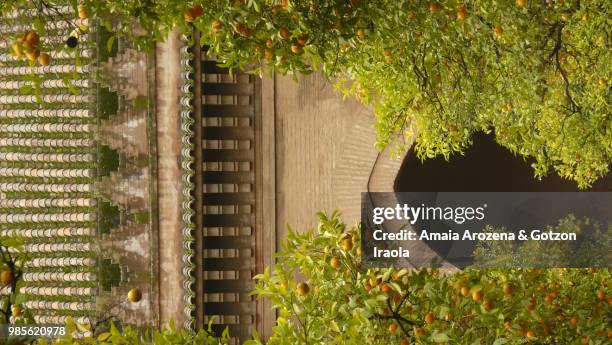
193,13
303,289
462,13
387,52
465,291
487,304
521,3
16,311
499,30
268,55
302,40
429,318
404,342
393,328
419,332
296,48
216,25
508,289
134,295
83,12
574,321
44,59
6,277
346,244
434,7
335,263
530,334
284,33
477,296
361,34
385,288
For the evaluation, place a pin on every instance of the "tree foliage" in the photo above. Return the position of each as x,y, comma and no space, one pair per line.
324,296
534,72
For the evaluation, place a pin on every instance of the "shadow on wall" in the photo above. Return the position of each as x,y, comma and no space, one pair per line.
485,167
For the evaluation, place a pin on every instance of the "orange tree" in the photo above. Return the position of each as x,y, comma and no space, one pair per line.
324,296
534,72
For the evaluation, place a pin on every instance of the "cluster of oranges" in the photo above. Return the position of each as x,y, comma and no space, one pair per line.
28,45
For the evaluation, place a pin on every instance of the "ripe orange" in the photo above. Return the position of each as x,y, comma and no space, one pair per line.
303,289
6,277
487,304
521,3
302,40
530,334
284,33
16,311
477,296
335,263
574,321
134,295
462,13
193,13
44,59
465,291
499,30
601,295
83,12
296,48
243,30
434,7
429,318
393,328
404,342
216,25
419,332
346,244
387,52
385,288
361,34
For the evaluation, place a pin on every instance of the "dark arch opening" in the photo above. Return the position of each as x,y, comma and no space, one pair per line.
485,167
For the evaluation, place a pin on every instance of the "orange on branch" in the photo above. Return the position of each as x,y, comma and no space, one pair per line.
393,328
44,59
6,277
303,289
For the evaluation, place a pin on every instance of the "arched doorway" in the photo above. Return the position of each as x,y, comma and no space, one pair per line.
485,167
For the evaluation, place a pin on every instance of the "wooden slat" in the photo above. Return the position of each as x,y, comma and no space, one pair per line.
227,264
228,308
211,67
227,89
227,110
210,177
227,242
226,155
227,133
245,198
228,286
227,220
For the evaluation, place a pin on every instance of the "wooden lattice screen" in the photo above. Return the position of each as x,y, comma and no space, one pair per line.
224,110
